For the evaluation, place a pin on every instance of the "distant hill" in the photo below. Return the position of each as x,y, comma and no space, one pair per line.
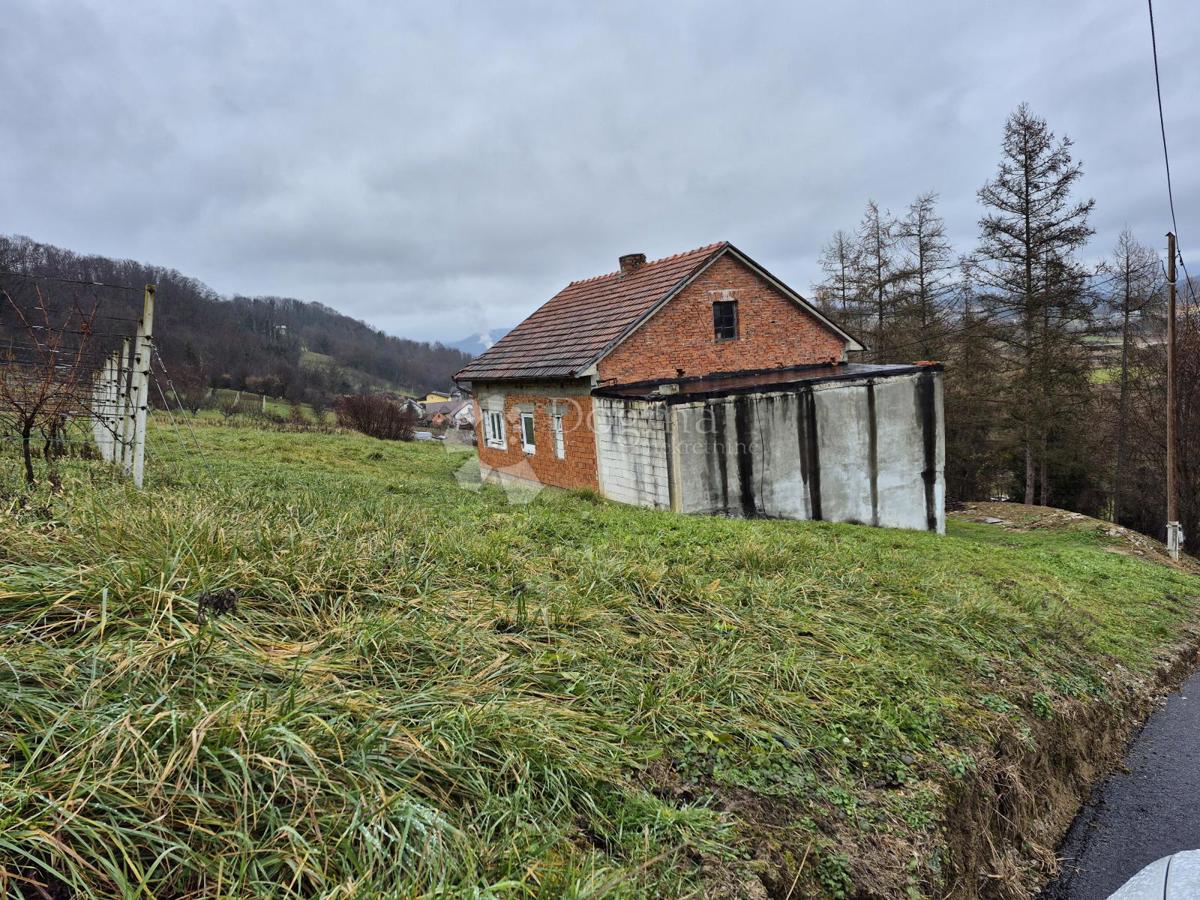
477,343
280,346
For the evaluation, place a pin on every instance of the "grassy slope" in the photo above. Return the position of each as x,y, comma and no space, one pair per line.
251,403
310,359
427,687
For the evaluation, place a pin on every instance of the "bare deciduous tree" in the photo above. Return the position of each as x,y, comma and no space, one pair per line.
1134,273
44,374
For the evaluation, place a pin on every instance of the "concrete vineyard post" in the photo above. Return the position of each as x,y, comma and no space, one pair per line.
114,395
97,408
143,344
114,404
102,409
124,427
134,403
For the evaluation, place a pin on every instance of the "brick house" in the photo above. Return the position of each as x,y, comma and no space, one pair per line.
594,389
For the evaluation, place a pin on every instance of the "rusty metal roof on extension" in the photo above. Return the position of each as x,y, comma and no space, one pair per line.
582,322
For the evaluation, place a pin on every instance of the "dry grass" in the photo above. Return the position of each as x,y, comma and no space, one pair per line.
425,691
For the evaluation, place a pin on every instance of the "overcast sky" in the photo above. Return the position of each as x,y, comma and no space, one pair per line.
440,168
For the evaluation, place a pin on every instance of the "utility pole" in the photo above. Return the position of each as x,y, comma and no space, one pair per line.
1174,529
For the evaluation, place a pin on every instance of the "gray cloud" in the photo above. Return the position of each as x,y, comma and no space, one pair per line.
443,168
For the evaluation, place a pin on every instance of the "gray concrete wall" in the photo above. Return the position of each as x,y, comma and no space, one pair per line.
631,451
868,451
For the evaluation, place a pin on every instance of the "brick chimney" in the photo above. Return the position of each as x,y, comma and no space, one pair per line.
631,262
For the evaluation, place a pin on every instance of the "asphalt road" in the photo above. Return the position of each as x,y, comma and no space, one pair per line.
1137,816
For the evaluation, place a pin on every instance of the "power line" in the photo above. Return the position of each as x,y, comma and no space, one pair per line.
33,276
1162,126
50,329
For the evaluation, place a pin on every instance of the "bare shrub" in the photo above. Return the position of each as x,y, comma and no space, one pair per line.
227,407
376,416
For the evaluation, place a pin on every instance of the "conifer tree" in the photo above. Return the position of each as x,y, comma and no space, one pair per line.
925,285
837,294
1134,289
876,277
1032,283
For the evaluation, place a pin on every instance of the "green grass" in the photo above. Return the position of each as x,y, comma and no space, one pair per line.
252,403
427,691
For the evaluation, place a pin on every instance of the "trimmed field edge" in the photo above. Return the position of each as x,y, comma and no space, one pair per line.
1006,820
1001,824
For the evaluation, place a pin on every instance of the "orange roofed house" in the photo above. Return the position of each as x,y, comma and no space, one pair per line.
702,383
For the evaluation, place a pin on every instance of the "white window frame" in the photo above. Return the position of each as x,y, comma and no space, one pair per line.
493,428
556,429
529,447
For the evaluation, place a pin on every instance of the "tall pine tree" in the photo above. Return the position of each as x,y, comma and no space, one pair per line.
837,294
876,275
1032,283
926,289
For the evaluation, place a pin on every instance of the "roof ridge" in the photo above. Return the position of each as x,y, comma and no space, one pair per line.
654,262
706,247
592,278
587,317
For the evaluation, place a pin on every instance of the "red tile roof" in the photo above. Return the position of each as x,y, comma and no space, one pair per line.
575,326
583,321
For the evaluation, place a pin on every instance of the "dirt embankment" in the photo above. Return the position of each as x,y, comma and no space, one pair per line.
1005,823
1008,819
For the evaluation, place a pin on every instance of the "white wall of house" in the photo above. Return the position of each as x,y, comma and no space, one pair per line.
631,451
868,451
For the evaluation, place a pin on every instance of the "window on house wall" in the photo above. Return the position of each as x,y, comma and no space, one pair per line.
493,428
527,432
556,428
725,324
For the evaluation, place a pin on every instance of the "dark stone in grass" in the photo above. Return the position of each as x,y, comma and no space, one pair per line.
211,604
39,884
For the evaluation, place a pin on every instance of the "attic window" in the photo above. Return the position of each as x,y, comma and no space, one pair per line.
725,320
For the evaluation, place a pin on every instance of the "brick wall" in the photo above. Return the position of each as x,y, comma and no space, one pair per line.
577,470
773,332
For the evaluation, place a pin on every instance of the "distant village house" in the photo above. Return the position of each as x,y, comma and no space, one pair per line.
451,414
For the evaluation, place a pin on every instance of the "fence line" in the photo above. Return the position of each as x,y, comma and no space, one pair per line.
55,372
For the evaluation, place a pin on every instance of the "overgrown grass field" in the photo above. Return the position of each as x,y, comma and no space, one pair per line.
305,665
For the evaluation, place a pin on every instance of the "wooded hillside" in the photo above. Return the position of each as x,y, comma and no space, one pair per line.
280,346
